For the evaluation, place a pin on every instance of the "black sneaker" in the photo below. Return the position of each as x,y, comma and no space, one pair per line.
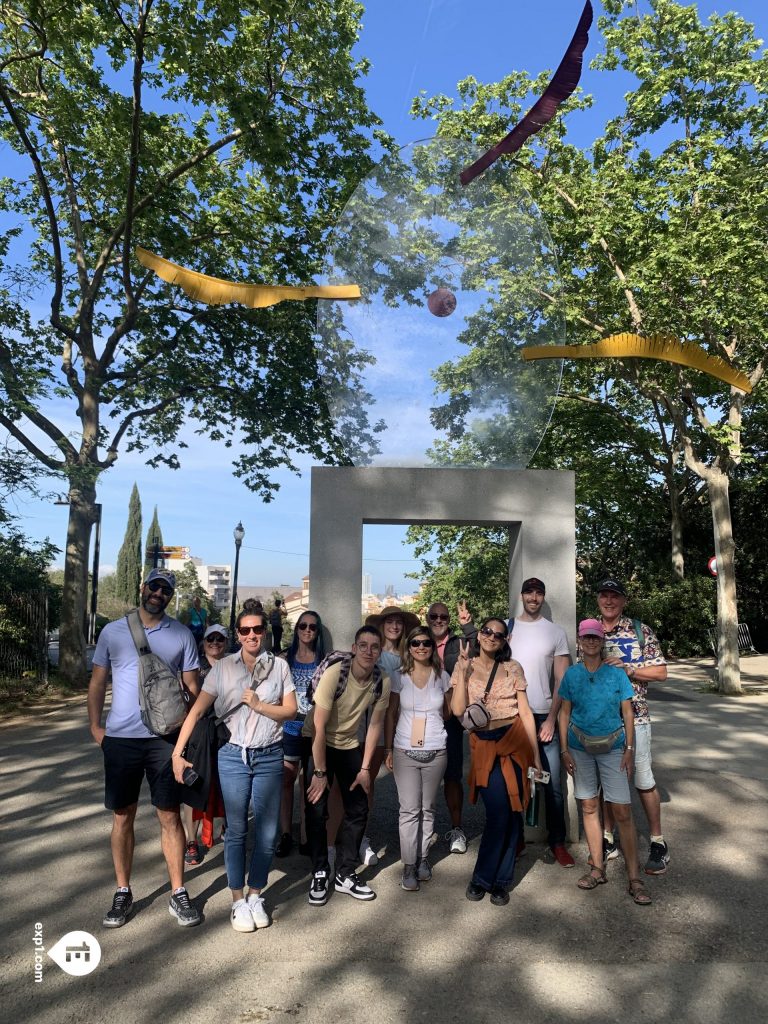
499,896
352,886
475,892
120,911
319,890
658,858
610,849
185,913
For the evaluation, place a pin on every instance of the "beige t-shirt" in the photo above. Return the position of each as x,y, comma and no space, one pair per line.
346,712
502,700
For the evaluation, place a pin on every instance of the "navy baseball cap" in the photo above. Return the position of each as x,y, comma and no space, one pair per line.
612,585
165,575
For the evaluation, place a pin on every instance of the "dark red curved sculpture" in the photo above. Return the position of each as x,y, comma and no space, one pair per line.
564,81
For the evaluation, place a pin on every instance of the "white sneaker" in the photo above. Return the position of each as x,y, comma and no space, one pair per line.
241,917
258,913
457,841
352,886
368,855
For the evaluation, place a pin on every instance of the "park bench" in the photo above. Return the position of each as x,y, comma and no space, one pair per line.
745,640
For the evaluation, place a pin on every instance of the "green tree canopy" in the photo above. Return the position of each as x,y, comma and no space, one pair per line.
222,136
659,227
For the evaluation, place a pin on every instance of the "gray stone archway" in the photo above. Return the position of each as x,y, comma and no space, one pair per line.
538,507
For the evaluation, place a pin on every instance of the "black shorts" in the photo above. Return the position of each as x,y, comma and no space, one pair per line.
127,761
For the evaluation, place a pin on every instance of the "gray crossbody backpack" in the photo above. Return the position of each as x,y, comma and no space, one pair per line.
162,700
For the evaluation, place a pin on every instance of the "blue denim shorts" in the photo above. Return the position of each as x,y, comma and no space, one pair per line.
596,770
292,739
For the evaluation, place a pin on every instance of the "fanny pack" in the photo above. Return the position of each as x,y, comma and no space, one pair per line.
422,756
596,744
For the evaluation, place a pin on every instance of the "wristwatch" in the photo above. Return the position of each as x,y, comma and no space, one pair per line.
628,747
320,774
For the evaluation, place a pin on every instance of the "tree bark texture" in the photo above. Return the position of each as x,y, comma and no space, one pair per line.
729,670
82,515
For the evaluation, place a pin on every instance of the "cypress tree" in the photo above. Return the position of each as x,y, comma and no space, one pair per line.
154,531
129,559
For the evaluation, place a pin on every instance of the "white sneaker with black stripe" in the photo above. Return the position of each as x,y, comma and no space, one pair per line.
352,886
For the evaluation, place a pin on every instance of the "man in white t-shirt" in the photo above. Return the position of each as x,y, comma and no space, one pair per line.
541,647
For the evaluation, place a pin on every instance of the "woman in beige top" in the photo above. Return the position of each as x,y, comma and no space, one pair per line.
501,754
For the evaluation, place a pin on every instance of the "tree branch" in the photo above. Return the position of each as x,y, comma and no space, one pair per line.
42,182
37,453
112,451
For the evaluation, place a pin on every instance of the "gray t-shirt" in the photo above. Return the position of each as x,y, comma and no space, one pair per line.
226,682
115,649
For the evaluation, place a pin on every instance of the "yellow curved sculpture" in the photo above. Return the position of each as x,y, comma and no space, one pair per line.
215,291
658,346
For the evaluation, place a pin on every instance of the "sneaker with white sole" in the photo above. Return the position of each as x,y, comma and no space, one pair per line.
457,841
658,858
368,855
185,912
319,889
352,886
241,917
258,912
610,849
120,911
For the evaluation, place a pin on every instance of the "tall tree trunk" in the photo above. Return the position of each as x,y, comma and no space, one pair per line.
676,529
729,671
74,601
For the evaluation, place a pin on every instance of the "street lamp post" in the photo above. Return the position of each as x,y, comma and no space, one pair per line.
238,533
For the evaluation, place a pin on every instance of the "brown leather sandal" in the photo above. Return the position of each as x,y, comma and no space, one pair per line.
591,881
638,892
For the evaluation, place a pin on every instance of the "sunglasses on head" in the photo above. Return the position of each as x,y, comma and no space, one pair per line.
487,631
155,585
420,641
245,630
434,617
311,626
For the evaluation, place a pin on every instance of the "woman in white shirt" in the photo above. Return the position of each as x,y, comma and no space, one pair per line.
259,692
415,731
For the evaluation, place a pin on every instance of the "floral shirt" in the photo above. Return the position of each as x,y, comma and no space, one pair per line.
622,642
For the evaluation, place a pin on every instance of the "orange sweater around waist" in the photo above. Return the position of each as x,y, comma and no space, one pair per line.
512,746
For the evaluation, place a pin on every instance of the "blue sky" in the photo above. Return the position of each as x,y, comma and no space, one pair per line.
413,45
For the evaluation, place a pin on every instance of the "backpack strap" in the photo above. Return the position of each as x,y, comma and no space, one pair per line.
638,628
510,626
138,634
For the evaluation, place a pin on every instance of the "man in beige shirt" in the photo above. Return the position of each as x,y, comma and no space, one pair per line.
345,691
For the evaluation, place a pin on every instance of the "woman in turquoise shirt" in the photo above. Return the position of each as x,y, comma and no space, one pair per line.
597,731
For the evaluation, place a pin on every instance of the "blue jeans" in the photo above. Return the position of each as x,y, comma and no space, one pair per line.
259,782
495,863
553,791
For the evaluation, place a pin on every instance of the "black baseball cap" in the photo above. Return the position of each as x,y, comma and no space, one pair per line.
534,583
612,585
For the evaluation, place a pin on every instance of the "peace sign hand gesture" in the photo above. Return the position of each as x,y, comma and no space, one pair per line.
464,661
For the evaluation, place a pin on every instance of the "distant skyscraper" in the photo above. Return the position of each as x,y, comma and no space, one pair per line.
390,590
366,584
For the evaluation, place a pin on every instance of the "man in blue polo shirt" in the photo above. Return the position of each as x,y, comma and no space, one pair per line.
131,751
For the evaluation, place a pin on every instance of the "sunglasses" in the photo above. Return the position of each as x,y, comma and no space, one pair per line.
311,626
419,642
215,640
245,630
438,618
486,631
154,586
591,636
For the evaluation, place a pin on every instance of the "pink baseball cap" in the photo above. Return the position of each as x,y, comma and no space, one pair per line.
591,627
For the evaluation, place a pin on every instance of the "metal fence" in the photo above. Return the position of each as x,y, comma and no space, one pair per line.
24,636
